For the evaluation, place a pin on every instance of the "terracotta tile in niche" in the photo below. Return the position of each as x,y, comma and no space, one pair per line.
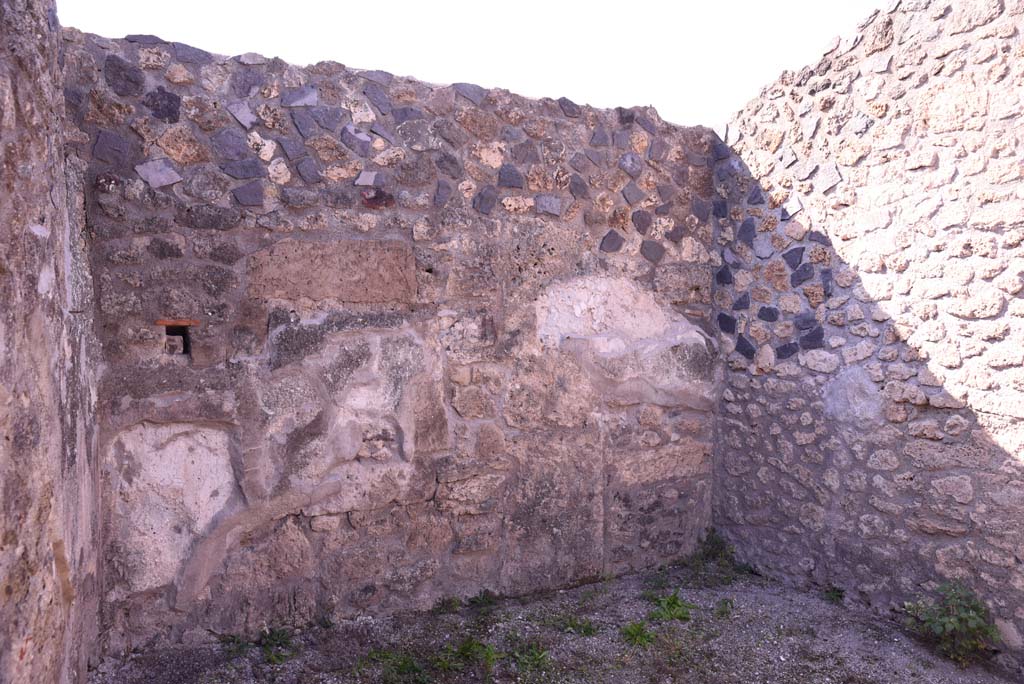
179,335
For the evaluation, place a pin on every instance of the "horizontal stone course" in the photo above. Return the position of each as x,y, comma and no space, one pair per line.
354,271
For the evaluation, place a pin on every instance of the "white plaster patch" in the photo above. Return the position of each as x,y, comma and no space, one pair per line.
613,312
634,348
854,399
45,283
174,479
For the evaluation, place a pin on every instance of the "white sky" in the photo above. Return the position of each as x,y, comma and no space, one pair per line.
697,62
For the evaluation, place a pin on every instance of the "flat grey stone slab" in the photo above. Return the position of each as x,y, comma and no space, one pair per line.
158,173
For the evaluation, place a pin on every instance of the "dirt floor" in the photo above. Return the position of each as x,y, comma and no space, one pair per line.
725,625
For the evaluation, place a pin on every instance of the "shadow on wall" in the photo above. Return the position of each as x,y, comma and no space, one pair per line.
871,433
842,458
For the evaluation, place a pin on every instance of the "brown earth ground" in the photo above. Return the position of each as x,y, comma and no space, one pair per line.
743,630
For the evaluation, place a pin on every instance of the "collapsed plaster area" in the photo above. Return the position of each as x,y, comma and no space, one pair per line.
343,424
173,480
632,348
854,400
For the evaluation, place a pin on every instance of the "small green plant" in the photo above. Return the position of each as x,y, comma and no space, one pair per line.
468,653
472,651
579,626
233,644
276,644
958,623
714,562
449,605
398,667
485,599
723,608
487,656
637,634
834,594
447,661
670,607
714,547
532,658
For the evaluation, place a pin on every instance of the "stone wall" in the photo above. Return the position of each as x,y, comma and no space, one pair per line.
872,429
48,523
372,342
361,343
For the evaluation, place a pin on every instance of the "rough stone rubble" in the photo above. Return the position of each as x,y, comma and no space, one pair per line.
440,339
363,342
871,432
